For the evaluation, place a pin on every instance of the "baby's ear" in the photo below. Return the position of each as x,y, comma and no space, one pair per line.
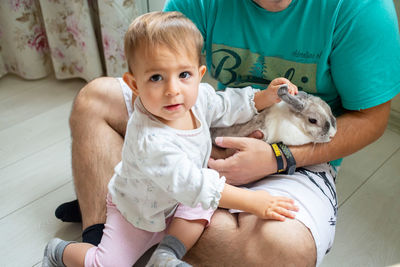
202,70
131,82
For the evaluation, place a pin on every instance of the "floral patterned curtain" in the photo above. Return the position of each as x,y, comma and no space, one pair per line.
72,38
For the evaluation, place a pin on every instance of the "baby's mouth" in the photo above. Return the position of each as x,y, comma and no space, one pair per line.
173,107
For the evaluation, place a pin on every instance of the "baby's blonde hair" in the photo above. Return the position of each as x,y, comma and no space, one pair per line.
170,29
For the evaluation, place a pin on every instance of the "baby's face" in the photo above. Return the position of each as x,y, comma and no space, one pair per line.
167,83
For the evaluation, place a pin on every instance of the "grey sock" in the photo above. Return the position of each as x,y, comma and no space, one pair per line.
173,244
168,253
53,253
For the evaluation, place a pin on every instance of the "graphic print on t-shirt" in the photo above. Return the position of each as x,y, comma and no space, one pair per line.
237,67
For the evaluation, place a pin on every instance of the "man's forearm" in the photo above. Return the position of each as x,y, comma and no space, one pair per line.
355,130
254,159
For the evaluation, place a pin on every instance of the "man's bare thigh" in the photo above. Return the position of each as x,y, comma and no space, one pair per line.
245,240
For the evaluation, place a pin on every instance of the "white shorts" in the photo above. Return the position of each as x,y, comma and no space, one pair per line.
312,188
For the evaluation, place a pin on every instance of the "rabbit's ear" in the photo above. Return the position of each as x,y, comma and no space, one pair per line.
296,102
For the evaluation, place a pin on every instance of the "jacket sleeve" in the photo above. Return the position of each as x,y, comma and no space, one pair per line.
163,161
225,108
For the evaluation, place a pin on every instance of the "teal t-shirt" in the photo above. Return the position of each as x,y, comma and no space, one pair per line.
345,51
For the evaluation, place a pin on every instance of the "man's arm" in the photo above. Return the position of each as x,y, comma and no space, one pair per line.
255,159
356,129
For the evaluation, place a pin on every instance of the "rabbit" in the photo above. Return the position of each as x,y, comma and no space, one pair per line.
296,120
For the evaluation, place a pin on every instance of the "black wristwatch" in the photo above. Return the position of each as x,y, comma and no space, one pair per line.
290,161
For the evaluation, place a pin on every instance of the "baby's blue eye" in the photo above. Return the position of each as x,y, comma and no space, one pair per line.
156,78
184,75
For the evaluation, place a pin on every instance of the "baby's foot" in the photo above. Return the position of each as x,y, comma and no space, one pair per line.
165,258
53,253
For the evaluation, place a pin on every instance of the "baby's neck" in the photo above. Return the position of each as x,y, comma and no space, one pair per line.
187,122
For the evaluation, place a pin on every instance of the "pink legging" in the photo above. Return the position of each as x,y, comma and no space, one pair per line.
123,244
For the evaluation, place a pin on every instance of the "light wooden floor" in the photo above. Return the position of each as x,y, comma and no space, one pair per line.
35,176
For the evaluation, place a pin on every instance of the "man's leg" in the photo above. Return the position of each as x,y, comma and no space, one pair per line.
244,240
98,123
250,241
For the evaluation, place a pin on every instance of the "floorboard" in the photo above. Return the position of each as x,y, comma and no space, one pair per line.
33,177
368,232
34,134
25,232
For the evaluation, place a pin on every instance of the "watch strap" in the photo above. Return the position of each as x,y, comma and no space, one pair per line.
278,156
290,161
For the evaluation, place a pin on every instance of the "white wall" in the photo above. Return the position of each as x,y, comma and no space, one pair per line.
155,5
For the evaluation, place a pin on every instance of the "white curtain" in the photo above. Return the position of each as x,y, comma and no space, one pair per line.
72,38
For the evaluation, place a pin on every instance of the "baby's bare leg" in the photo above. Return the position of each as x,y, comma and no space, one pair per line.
74,254
188,232
65,253
181,236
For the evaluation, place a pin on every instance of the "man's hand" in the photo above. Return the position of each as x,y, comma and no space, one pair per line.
223,153
253,160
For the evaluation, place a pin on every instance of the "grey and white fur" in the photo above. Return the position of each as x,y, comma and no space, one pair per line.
296,120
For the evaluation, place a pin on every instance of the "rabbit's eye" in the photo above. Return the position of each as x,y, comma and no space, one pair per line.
313,121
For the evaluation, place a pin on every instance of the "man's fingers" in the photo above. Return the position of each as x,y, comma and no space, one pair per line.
218,164
238,143
218,153
227,168
256,134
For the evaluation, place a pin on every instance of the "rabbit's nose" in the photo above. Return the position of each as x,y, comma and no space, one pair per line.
332,133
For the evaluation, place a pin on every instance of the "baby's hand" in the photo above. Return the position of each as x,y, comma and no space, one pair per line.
273,87
273,207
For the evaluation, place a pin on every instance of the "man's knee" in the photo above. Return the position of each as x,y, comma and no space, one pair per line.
214,248
287,243
88,98
100,100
